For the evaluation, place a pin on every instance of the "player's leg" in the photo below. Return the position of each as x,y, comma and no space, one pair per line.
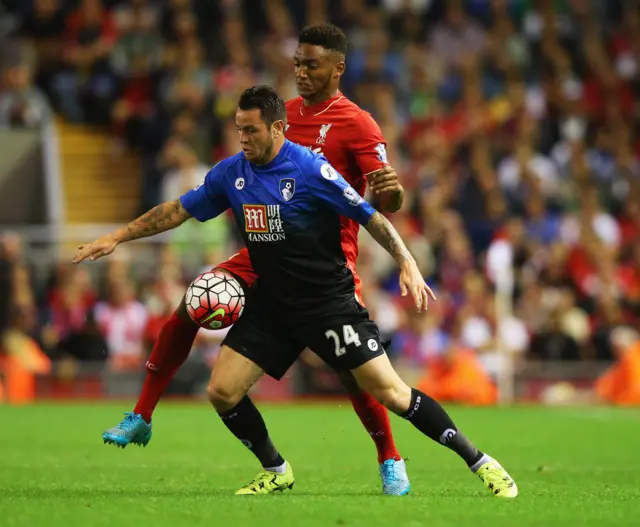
375,418
169,352
378,377
250,349
356,347
232,377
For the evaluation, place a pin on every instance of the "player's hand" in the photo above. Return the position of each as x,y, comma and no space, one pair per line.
101,247
385,180
411,281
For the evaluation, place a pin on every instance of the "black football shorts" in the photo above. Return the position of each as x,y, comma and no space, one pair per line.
344,341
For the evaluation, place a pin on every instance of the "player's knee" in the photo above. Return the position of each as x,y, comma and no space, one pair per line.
223,396
395,397
349,382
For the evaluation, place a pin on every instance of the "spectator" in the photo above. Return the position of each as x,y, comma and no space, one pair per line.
456,35
87,87
21,103
620,384
122,321
69,308
44,27
21,358
553,343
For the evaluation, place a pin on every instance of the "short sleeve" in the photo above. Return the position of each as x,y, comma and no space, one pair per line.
328,186
209,199
367,144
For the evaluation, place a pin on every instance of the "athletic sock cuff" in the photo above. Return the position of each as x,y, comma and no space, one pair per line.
416,399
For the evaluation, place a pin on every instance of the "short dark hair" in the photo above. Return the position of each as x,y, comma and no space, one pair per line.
265,99
326,36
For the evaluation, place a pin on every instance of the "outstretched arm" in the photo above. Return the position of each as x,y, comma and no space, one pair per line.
411,279
159,219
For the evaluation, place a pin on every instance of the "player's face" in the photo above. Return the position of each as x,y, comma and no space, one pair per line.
318,71
257,138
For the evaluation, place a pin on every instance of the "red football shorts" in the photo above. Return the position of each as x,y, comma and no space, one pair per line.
240,266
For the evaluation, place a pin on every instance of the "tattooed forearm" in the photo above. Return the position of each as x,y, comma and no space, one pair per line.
385,234
162,218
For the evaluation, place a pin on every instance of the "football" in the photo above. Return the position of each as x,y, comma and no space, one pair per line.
215,300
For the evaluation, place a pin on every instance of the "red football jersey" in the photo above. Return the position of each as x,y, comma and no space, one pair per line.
350,140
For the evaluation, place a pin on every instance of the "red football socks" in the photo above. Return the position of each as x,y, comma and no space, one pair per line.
169,353
375,419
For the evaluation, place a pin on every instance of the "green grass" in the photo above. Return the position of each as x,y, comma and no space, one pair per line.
573,467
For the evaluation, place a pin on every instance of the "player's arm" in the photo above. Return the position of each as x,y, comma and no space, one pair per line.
160,218
411,279
332,189
387,188
203,203
369,149
163,217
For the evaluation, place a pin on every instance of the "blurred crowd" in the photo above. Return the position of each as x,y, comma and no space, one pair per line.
513,123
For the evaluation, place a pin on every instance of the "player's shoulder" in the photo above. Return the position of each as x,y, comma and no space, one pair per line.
228,164
307,161
359,119
343,103
300,155
346,106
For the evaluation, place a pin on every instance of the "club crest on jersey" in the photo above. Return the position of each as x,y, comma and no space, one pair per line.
240,183
263,223
324,130
287,188
382,153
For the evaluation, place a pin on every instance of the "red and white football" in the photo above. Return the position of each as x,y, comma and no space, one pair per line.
215,300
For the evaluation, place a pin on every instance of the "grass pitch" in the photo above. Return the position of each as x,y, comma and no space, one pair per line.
574,467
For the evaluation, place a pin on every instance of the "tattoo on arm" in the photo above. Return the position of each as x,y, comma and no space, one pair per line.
385,234
159,219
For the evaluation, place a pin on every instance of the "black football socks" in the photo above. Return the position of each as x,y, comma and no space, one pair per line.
431,419
245,422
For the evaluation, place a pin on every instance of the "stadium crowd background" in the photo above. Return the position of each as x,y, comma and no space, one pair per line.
510,120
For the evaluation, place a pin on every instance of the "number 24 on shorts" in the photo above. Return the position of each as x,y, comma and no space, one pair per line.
349,337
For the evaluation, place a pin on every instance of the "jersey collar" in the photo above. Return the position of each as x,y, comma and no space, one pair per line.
321,107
